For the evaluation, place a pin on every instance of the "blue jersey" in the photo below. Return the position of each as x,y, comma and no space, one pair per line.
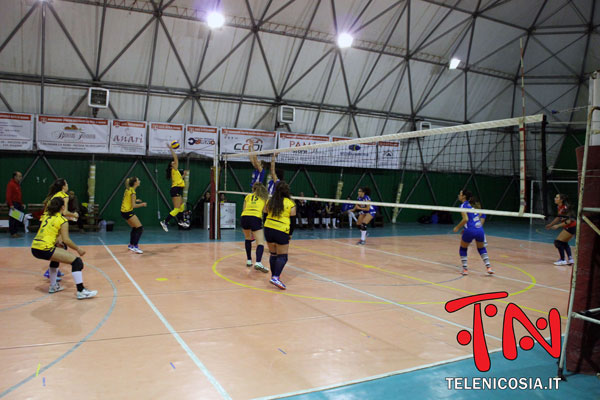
473,221
257,177
271,186
347,207
372,209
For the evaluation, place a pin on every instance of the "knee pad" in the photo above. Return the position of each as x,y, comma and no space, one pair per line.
559,244
482,250
140,229
77,265
363,227
462,251
54,264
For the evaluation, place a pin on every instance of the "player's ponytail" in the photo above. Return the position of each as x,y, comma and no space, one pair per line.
275,204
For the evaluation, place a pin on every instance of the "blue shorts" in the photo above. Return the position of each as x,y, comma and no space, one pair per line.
252,223
470,234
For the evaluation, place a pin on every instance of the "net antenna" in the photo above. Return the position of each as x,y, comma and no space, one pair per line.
440,149
522,136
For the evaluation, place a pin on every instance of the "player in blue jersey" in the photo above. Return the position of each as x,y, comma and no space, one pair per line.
276,176
365,213
258,175
472,230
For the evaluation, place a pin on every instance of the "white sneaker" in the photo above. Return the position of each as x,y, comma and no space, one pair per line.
164,226
130,247
560,262
248,263
55,288
183,224
137,250
86,294
260,267
571,261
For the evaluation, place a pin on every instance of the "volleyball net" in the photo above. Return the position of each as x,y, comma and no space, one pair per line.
508,149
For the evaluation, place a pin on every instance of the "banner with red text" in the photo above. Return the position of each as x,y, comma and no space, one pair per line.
128,137
16,131
201,139
72,134
161,134
306,157
238,141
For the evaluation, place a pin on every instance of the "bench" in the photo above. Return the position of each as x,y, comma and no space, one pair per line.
4,217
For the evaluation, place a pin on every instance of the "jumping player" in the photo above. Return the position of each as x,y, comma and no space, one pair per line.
473,230
279,228
130,201
252,213
177,185
365,213
258,175
53,225
569,224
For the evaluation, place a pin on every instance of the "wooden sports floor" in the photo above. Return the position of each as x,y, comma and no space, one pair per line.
188,319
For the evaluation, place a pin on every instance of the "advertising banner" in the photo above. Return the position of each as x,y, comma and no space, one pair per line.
72,134
128,137
238,141
201,139
306,157
16,131
161,134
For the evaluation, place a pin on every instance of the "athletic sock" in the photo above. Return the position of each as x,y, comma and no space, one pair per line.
568,249
248,244
363,235
53,273
259,252
80,287
132,237
463,256
273,265
484,256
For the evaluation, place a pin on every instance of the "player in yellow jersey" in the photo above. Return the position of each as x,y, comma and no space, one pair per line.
53,225
59,189
130,201
254,204
177,185
278,229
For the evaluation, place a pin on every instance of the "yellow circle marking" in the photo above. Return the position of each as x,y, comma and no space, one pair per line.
162,279
530,286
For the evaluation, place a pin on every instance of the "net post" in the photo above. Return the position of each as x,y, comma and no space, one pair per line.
544,168
213,195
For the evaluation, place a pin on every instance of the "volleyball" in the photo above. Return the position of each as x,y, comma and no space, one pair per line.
174,144
354,147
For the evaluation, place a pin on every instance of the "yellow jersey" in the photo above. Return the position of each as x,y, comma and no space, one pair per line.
127,205
176,179
282,222
59,194
254,206
48,232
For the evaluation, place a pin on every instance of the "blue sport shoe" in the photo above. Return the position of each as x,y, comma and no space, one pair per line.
278,283
58,276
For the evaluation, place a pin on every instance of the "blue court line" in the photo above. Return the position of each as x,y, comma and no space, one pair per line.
76,346
24,304
166,323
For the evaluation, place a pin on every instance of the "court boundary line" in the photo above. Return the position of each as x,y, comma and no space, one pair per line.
171,330
372,378
76,346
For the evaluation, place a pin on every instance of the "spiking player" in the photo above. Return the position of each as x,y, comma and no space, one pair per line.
177,186
365,213
258,175
473,230
276,176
